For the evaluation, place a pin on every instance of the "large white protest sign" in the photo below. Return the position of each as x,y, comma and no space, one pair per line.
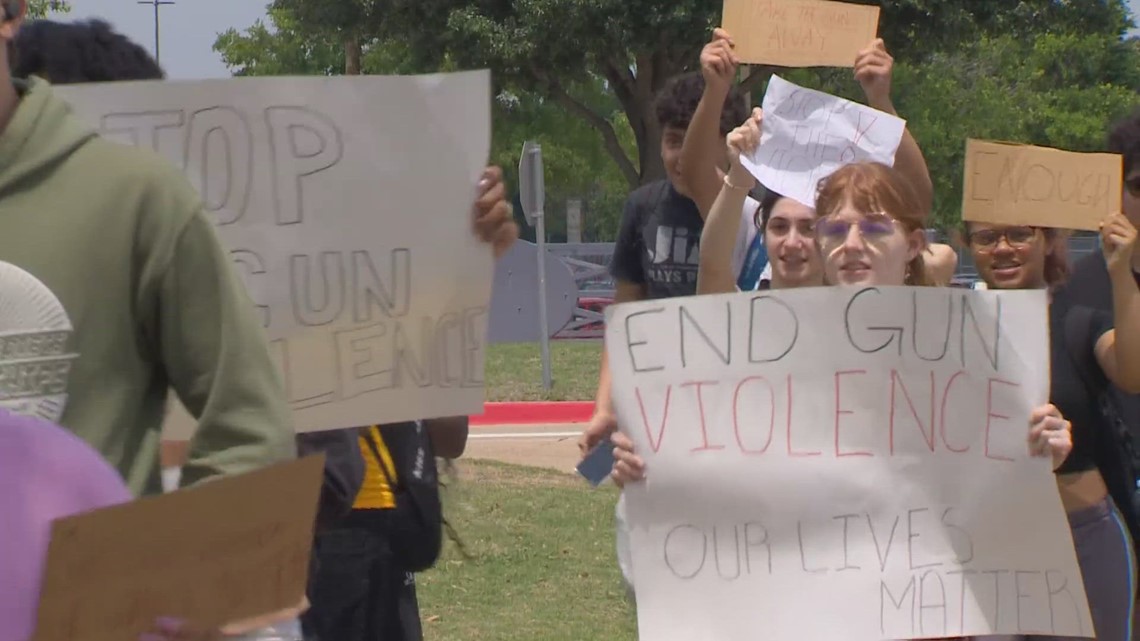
346,205
806,135
834,463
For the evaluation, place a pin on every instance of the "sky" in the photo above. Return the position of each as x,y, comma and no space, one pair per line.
189,27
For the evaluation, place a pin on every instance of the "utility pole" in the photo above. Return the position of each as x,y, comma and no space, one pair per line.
157,4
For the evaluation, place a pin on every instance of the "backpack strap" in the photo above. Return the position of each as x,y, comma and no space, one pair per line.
375,447
755,260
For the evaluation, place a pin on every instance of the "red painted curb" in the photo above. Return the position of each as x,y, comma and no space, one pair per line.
534,413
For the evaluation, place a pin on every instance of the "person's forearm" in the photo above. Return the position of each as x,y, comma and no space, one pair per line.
1126,323
448,435
703,150
718,240
910,162
603,399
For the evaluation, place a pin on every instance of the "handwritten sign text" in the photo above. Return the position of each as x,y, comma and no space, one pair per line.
807,135
856,451
348,215
799,33
1027,185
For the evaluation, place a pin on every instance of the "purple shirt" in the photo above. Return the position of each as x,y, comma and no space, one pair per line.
46,473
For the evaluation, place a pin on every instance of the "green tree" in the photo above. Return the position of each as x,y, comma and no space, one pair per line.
577,163
41,8
276,47
1058,90
636,45
1044,71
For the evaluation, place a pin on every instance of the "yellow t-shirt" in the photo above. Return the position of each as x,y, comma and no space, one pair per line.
375,494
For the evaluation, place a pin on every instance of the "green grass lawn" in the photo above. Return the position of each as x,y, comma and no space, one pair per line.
543,565
514,371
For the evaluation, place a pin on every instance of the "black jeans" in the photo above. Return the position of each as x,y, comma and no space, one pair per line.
358,592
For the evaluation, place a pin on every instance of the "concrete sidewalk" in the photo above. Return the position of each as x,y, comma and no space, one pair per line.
549,446
553,447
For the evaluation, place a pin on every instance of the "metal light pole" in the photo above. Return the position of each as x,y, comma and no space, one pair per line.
532,193
157,4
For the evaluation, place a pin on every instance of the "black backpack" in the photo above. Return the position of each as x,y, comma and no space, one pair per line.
416,533
344,471
1116,451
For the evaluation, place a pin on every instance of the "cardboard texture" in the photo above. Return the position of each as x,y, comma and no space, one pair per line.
1014,184
226,551
799,33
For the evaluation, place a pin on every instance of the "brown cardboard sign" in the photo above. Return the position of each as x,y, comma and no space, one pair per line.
799,33
1016,184
225,551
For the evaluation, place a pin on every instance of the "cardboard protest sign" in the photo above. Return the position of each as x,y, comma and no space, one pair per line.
841,463
799,33
807,135
346,206
1016,184
223,552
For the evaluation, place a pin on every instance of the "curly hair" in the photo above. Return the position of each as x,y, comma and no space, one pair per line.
678,100
78,52
1124,139
871,187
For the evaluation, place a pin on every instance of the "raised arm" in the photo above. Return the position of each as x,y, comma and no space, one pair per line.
873,69
703,150
717,274
1118,350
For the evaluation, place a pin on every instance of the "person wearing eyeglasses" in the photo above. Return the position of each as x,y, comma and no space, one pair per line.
722,195
870,232
1027,257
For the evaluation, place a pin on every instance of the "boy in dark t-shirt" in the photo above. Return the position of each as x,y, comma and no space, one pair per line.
657,250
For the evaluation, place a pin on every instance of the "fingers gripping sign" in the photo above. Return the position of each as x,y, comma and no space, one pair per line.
1118,236
874,67
719,61
746,138
1050,434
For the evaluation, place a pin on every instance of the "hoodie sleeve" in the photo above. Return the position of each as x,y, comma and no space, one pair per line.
216,356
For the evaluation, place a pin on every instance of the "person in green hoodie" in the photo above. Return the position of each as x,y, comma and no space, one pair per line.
114,288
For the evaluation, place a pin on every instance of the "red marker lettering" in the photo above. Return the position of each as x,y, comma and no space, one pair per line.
771,415
839,411
897,383
655,444
946,397
789,425
701,410
990,414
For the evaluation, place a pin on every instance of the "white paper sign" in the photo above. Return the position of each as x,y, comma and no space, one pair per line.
834,463
346,205
806,135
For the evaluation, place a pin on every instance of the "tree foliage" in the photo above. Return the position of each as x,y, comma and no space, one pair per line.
636,45
580,75
574,156
276,47
41,8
